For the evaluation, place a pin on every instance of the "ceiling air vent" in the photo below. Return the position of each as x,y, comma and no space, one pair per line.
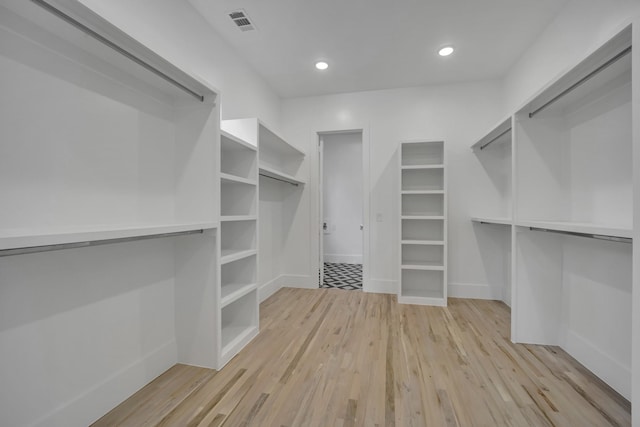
242,20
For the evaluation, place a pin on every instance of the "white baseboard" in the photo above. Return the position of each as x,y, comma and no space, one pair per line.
604,366
269,288
104,396
299,281
344,259
474,291
380,286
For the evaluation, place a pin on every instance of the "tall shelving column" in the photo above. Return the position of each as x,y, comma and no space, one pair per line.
572,269
238,261
423,223
279,168
494,219
109,168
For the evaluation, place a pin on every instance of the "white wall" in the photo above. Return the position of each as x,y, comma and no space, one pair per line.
175,30
342,202
457,114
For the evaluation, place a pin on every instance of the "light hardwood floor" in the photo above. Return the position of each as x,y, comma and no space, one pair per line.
341,358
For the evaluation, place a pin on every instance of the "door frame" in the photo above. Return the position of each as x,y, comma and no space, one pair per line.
366,202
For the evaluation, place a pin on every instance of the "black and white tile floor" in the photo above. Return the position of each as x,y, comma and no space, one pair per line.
342,276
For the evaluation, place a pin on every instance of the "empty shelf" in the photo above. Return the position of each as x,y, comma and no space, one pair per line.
17,239
422,217
423,265
492,220
423,242
578,227
234,291
238,218
229,141
230,255
281,176
232,178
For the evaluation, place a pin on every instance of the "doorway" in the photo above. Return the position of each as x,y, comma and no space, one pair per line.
341,213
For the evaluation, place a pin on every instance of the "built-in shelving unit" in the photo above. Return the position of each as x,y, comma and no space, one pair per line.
278,159
279,175
109,225
238,263
423,225
572,186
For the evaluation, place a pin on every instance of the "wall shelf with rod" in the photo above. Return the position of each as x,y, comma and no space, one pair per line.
108,176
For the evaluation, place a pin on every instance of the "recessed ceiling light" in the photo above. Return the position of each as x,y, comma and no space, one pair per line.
322,65
445,51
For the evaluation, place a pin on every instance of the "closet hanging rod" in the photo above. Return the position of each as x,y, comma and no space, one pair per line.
52,9
74,245
482,147
593,73
591,236
278,179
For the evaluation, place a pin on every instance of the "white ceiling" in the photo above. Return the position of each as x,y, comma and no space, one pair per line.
379,44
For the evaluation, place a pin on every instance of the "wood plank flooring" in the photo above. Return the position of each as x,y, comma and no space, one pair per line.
328,357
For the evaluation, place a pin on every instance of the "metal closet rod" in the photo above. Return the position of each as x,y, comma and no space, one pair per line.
611,61
482,147
278,179
50,8
591,236
61,246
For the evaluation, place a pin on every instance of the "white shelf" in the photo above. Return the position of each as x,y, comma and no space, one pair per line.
425,217
500,134
492,220
229,218
230,255
234,291
270,140
422,265
231,142
273,173
232,178
423,242
422,192
14,239
420,167
65,37
432,298
576,227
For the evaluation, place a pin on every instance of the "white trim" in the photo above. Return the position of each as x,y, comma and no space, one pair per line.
475,291
88,407
382,286
302,281
269,288
602,365
343,259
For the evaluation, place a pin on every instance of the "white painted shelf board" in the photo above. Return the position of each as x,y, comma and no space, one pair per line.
28,238
492,220
422,192
272,141
427,217
419,167
232,178
500,134
63,32
228,255
234,291
272,173
578,227
423,242
230,218
235,337
580,96
230,141
422,265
